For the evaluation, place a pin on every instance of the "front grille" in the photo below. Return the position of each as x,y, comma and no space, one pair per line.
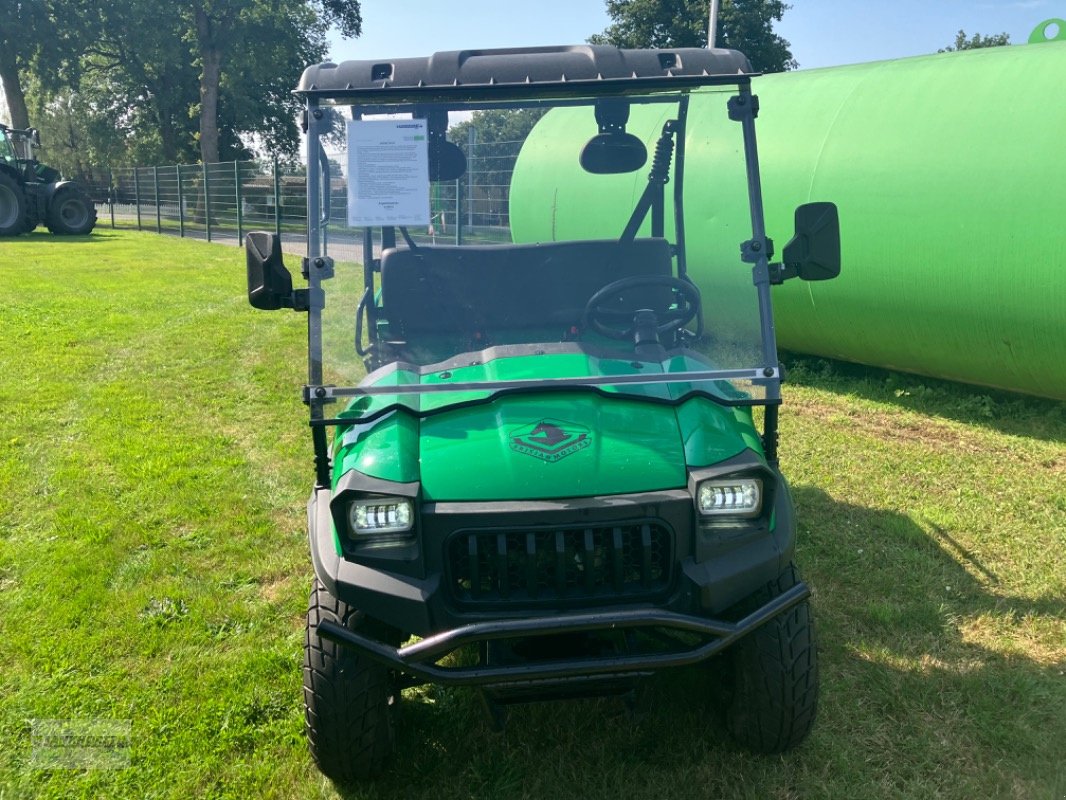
629,561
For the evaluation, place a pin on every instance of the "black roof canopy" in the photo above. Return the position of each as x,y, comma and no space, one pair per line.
458,75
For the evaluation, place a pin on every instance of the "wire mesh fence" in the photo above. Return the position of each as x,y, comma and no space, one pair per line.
221,202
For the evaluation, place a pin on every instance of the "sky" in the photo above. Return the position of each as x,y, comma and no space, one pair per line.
822,33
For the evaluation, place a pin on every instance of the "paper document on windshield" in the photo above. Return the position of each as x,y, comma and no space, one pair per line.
388,173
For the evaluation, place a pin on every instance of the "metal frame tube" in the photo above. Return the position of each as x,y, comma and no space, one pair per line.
759,243
314,233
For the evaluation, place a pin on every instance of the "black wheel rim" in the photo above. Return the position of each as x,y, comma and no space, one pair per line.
73,213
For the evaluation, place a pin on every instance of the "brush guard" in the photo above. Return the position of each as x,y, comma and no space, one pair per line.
420,660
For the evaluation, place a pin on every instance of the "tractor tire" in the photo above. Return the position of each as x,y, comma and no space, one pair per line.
14,216
71,212
349,700
769,679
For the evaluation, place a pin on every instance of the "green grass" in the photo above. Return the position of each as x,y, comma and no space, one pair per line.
155,462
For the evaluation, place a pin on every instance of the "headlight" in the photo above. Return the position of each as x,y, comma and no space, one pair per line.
374,515
733,497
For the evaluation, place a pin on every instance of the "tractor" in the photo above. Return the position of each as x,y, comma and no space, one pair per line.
32,193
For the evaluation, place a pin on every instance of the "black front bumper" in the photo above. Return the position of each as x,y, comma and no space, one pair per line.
646,618
421,660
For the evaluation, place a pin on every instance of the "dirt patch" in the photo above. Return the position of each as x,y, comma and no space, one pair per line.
939,435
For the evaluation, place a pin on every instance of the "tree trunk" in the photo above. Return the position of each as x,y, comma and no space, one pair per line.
16,98
211,60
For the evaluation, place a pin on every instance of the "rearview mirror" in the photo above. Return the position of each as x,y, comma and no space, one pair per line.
813,254
446,161
269,282
613,153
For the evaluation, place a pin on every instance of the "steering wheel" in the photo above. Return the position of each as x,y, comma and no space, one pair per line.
615,323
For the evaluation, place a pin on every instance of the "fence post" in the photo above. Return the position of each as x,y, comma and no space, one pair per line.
458,212
237,195
277,199
137,194
158,217
471,144
111,194
207,203
181,203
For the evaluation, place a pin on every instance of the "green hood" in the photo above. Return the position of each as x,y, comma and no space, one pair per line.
540,445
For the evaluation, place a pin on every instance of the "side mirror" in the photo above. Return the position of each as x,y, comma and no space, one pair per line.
813,254
35,137
269,282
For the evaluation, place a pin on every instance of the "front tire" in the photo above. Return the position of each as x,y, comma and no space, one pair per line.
14,218
770,677
71,212
348,699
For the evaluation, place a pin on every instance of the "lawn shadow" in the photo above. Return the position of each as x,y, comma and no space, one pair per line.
42,236
1006,412
909,703
935,675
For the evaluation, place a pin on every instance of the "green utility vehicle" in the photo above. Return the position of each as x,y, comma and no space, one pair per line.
32,193
544,463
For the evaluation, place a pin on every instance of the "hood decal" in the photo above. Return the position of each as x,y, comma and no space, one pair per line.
550,439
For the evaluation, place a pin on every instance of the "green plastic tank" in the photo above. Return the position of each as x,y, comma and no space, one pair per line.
950,176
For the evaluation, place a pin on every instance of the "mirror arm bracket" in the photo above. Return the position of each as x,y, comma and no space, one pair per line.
323,266
779,273
752,250
740,108
301,300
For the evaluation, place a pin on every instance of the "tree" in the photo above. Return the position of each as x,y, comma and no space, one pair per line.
745,25
976,42
497,135
207,77
139,73
44,36
220,26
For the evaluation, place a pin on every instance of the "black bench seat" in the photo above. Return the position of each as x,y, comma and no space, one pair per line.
488,289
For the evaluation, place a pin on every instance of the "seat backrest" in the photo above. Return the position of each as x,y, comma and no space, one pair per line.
487,288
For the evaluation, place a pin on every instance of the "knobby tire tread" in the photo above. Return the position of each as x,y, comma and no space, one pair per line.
348,718
774,697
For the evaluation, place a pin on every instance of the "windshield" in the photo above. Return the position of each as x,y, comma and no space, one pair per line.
529,248
6,151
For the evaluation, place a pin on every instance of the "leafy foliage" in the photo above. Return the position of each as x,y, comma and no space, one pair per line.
208,77
745,25
497,136
42,36
976,42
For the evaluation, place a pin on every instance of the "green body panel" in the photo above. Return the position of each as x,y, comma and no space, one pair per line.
492,451
948,174
386,448
711,433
